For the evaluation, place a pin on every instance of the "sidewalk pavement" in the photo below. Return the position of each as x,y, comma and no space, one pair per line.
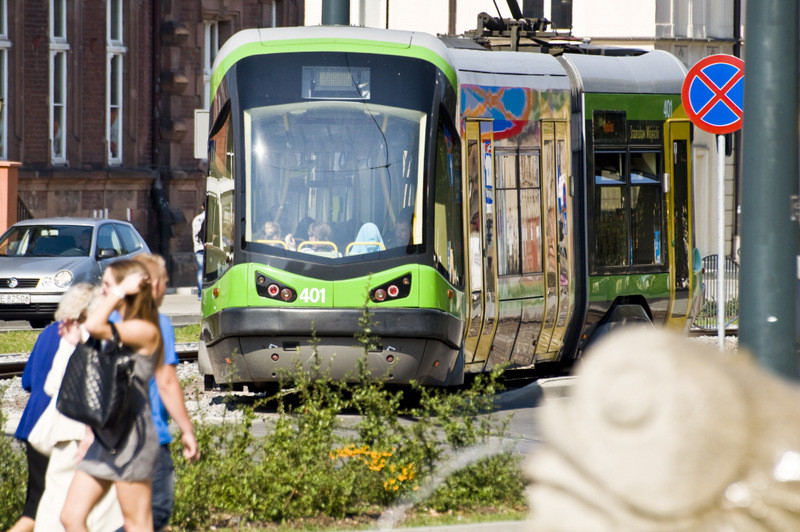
489,526
182,306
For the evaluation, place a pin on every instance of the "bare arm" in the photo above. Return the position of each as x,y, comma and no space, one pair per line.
140,335
97,320
169,388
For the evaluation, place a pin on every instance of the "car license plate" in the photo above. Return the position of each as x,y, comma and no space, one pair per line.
15,299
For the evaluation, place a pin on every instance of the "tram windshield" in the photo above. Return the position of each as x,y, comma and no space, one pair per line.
333,178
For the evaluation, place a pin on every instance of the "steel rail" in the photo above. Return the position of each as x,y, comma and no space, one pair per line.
13,368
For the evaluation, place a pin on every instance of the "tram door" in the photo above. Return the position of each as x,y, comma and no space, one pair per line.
482,242
679,220
556,240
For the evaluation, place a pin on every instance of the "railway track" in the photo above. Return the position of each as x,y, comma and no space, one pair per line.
12,365
730,331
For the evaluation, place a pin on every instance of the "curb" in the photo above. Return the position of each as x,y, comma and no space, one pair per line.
182,290
557,387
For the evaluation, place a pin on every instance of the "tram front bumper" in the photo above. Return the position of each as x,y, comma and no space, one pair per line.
253,345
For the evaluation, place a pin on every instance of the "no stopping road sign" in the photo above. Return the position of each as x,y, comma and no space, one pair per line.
713,94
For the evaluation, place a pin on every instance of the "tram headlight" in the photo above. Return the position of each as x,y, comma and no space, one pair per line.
395,289
273,289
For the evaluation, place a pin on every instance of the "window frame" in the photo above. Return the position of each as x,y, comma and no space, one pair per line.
5,46
626,186
115,68
210,51
59,46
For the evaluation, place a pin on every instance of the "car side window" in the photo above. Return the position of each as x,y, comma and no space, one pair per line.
130,242
107,238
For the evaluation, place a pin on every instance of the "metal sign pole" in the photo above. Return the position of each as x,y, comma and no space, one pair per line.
712,96
721,302
768,290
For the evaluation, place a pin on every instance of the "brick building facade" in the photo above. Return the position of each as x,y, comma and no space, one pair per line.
99,99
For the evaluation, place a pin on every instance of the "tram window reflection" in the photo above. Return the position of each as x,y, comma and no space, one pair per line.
610,210
220,199
646,210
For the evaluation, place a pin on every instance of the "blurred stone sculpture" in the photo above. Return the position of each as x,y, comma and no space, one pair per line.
664,434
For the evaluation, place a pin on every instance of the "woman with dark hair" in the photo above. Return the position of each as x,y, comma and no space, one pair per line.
130,467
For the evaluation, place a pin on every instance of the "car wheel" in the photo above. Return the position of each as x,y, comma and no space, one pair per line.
40,323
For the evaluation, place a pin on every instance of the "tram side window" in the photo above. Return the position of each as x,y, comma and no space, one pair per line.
646,211
219,212
448,243
508,241
629,212
530,201
519,213
610,205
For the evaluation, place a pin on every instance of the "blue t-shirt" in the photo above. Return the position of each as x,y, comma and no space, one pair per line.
160,414
33,376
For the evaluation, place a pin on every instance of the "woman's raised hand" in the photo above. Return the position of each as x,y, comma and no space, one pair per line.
133,283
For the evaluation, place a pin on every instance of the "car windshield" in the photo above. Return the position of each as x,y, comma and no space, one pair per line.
47,241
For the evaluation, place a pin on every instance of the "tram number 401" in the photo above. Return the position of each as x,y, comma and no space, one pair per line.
667,109
312,295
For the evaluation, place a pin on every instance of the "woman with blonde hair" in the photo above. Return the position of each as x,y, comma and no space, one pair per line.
126,287
67,433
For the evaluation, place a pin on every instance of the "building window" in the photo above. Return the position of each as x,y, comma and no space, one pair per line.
114,124
115,49
5,46
210,50
58,80
115,22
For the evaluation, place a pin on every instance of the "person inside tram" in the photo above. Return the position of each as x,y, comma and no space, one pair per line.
271,231
368,233
320,232
401,236
300,234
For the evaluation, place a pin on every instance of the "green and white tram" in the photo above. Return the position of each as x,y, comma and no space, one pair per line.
488,207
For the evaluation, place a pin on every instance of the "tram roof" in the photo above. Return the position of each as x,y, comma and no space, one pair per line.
514,69
654,72
330,38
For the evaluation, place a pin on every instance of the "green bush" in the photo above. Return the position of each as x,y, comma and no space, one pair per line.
491,482
310,466
13,476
